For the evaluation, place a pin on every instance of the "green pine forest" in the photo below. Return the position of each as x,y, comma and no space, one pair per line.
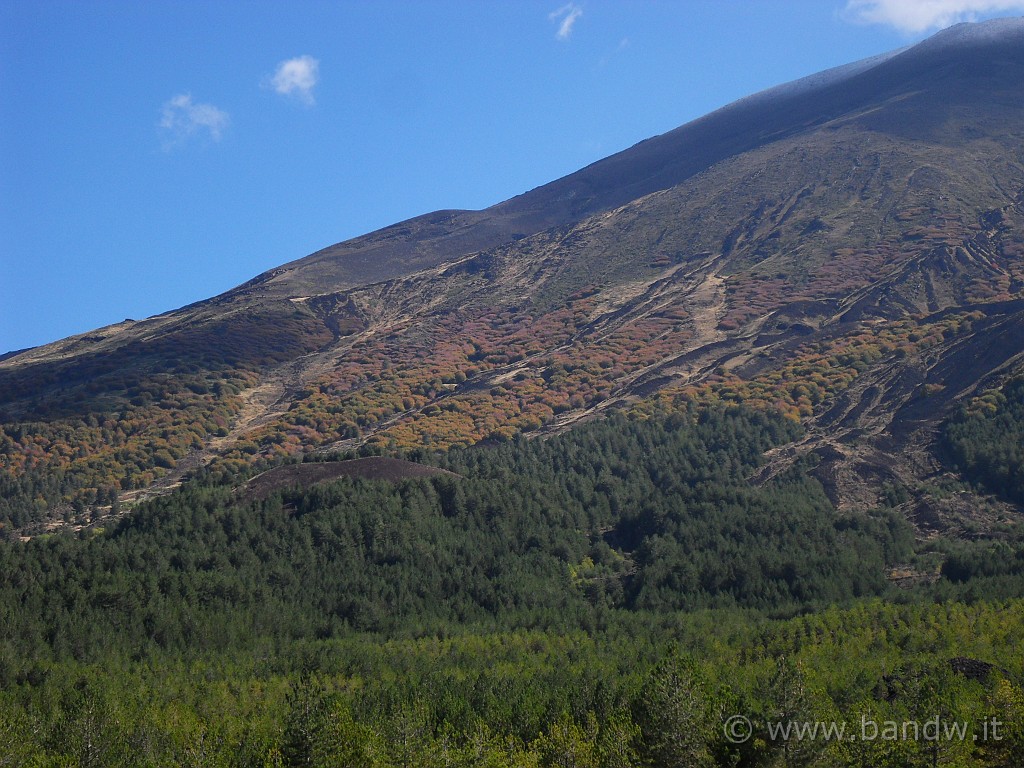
607,597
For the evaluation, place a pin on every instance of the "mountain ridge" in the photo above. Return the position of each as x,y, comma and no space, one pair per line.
460,243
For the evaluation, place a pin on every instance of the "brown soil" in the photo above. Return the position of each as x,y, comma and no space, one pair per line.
306,475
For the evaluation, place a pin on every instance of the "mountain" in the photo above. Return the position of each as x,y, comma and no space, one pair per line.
847,250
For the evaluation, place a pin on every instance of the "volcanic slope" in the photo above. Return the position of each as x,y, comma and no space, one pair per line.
848,249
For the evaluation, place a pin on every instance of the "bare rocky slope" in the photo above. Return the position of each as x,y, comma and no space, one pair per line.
848,249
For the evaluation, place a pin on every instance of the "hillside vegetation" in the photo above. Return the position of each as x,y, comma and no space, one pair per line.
525,611
850,254
986,440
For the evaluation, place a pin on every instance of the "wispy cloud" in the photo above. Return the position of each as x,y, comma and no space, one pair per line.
297,77
623,45
182,119
566,17
914,16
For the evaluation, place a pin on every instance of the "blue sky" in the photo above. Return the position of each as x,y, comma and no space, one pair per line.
156,153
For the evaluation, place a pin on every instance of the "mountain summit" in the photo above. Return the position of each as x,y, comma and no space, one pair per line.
847,249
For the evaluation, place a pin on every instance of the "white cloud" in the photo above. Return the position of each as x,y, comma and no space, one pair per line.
566,16
181,119
297,77
914,16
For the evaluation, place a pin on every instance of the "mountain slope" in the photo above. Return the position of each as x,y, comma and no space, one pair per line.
667,160
848,249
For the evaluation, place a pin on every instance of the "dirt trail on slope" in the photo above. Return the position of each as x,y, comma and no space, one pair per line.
702,295
884,427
